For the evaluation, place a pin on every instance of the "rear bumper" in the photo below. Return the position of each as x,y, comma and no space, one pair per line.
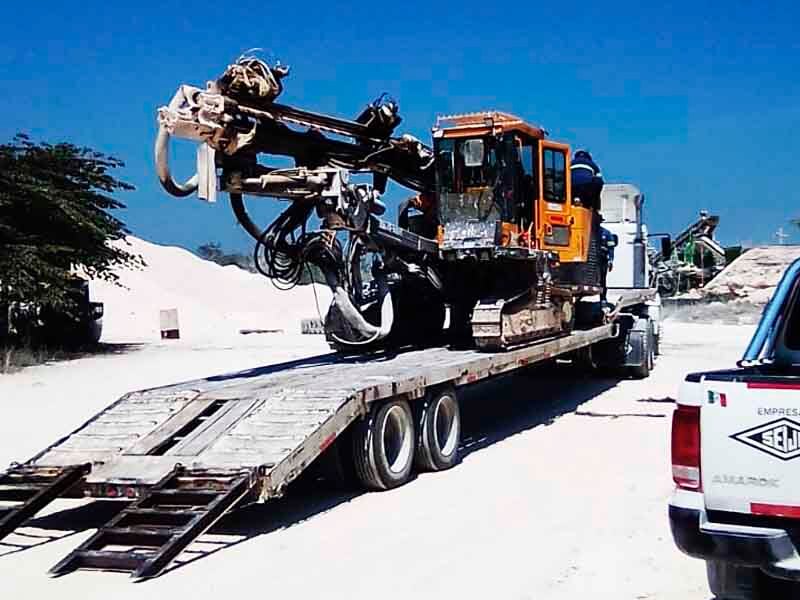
771,550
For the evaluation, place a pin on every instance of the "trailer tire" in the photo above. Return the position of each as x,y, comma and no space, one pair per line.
383,446
438,430
642,371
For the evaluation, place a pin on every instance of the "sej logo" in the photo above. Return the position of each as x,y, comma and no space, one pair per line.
779,438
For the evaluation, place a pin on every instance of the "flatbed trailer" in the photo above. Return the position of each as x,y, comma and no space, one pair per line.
186,454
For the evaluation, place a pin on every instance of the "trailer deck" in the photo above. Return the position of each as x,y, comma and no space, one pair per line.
186,454
276,419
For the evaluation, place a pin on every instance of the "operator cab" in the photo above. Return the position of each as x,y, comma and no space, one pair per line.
485,180
502,188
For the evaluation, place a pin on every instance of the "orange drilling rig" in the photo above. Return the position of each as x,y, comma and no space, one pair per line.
494,241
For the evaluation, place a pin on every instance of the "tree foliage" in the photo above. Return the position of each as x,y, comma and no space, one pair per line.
54,220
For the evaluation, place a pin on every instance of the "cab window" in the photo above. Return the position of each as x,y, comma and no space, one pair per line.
530,163
791,336
555,175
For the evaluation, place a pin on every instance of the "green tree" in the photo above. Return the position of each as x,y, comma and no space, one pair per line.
54,219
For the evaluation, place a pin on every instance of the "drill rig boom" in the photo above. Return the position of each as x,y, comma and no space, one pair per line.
493,238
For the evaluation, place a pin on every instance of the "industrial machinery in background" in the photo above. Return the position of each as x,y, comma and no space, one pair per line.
690,259
494,233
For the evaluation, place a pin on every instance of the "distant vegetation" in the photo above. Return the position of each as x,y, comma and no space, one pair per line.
213,251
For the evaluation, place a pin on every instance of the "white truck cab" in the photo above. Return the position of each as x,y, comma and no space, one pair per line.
736,459
622,209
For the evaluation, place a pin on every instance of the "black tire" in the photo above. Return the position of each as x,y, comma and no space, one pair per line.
383,446
438,431
95,331
642,371
732,582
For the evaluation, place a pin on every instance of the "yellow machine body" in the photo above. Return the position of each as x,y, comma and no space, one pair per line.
545,215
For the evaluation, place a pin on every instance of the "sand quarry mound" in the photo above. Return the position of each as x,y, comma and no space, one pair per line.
754,275
213,302
738,294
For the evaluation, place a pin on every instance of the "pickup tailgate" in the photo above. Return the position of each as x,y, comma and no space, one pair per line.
750,445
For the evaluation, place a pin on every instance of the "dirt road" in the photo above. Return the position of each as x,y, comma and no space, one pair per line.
561,493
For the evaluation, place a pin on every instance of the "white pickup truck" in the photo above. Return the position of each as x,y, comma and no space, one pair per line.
736,460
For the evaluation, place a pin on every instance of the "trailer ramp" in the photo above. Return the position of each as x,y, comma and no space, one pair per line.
25,490
145,537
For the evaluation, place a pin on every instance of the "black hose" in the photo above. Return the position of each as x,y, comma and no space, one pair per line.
284,250
237,204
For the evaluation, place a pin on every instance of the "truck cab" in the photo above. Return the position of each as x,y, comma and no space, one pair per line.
735,447
622,209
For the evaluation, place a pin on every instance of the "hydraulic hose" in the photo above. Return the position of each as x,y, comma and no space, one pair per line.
162,168
237,204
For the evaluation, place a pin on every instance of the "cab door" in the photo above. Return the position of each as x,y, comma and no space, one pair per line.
558,230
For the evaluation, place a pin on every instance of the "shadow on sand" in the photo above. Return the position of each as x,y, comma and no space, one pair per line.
13,359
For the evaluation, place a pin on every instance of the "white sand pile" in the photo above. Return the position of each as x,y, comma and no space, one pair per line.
213,302
753,276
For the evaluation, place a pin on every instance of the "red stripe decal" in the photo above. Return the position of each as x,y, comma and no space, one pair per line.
775,510
327,441
756,385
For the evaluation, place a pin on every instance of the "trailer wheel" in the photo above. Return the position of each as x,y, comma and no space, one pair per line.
438,431
383,446
642,371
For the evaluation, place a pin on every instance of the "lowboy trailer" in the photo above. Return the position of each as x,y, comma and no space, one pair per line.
184,455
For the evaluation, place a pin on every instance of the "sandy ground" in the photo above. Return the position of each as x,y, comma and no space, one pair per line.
561,493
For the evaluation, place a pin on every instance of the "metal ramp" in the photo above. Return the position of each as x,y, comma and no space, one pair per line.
25,490
144,538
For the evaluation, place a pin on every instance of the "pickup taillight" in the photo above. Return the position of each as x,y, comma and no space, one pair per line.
686,447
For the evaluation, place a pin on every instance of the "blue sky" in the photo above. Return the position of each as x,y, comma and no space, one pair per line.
696,103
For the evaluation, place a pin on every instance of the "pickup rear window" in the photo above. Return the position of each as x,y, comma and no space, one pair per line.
792,335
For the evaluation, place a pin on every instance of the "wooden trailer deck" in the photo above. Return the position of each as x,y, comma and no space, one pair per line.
276,419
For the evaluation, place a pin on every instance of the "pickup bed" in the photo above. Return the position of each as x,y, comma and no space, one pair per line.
735,460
